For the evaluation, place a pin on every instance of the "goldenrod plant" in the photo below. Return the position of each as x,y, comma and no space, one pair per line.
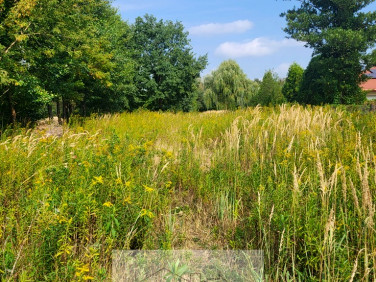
296,182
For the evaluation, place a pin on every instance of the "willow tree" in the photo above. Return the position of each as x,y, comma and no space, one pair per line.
341,34
228,87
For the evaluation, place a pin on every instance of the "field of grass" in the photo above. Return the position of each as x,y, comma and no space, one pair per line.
298,183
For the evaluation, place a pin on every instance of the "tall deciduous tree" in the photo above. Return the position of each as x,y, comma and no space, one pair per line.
86,61
291,88
73,52
270,92
340,34
166,69
228,87
20,91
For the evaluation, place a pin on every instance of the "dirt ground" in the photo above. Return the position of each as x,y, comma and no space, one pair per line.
50,127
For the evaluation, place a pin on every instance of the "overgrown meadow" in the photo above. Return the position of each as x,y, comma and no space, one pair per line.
298,183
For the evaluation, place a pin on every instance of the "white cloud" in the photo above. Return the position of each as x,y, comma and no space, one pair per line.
283,69
240,26
257,47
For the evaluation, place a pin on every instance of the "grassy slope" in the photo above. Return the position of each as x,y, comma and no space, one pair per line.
297,183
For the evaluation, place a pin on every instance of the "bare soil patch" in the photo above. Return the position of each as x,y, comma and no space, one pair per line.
50,127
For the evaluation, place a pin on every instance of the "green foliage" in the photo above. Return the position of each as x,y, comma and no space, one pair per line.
341,34
166,69
15,78
176,271
291,87
72,52
81,57
228,88
320,84
89,64
270,92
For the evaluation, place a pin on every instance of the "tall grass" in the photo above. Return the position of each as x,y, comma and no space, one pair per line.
298,183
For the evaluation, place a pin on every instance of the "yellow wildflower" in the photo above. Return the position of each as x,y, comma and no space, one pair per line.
148,144
98,179
108,204
143,212
84,268
128,200
147,213
148,189
61,219
127,184
118,181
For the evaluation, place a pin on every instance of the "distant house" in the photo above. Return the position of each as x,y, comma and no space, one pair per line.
370,84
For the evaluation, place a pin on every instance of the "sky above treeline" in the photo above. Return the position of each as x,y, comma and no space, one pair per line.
248,31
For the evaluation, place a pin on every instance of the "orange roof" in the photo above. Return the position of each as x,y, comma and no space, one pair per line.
370,84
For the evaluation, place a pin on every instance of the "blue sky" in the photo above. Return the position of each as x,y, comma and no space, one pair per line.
247,31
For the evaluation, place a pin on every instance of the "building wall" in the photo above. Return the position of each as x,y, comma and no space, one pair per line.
371,95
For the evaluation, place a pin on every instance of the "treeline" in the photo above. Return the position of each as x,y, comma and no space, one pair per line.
79,56
342,36
76,56
228,88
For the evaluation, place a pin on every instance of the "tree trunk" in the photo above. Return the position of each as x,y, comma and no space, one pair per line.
11,107
58,111
84,106
66,108
64,111
49,108
70,109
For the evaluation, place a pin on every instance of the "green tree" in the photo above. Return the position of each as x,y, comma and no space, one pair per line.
228,87
86,62
322,86
166,68
72,52
200,90
270,92
340,34
291,87
21,95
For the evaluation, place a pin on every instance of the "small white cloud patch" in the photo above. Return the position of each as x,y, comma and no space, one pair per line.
257,47
283,69
240,26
